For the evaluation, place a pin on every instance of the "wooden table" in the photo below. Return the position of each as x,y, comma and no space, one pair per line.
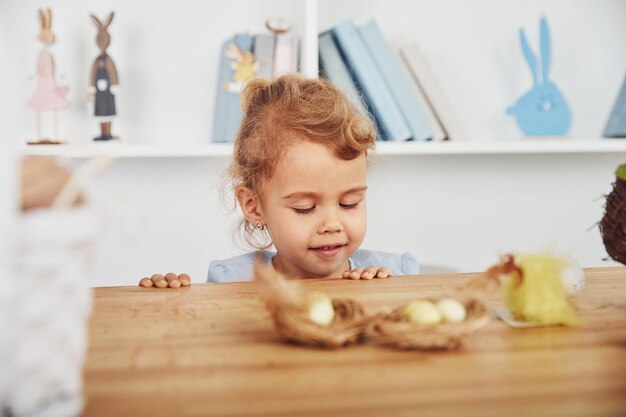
211,350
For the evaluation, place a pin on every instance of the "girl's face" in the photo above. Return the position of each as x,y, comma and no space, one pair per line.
314,209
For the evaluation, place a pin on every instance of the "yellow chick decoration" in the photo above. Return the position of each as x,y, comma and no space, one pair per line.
534,290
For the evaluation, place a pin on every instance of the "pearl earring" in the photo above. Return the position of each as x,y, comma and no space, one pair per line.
259,225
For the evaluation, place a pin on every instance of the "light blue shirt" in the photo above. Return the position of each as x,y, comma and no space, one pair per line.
239,268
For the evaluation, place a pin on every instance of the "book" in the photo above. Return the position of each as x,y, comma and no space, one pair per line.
333,68
439,132
227,115
263,50
365,72
616,125
428,83
399,83
285,54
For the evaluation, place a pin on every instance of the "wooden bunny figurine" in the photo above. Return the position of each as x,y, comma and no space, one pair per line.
48,95
103,76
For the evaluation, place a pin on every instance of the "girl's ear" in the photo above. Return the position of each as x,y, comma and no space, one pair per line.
249,203
544,43
96,21
109,19
530,57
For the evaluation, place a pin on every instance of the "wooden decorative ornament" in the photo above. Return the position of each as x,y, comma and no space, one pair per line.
48,95
103,77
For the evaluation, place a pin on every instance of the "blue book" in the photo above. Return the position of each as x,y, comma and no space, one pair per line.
414,113
335,70
227,115
616,126
369,79
264,54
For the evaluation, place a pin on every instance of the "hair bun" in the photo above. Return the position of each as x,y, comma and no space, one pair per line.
254,93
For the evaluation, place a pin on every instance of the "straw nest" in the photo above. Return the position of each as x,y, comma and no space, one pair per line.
613,223
293,324
396,331
287,303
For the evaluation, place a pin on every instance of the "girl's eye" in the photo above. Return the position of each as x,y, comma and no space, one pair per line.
304,210
348,206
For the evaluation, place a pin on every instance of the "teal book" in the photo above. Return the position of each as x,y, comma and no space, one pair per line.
366,74
227,115
616,125
334,69
389,65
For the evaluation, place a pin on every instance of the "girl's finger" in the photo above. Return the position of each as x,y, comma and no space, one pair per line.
185,280
159,281
383,273
146,282
369,272
356,273
172,280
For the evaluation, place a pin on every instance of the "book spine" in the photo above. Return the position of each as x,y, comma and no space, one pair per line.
389,65
285,54
429,85
335,70
264,55
386,111
439,133
227,115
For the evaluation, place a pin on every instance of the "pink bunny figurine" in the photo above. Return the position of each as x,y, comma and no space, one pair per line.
48,95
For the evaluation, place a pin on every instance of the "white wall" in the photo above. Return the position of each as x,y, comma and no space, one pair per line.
454,212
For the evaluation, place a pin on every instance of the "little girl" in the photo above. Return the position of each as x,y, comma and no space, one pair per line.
299,176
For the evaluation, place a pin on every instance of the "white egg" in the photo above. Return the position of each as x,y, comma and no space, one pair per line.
422,312
452,310
320,308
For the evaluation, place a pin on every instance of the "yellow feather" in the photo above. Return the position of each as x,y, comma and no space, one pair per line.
540,297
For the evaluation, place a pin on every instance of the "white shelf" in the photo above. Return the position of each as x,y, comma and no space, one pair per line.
122,150
524,146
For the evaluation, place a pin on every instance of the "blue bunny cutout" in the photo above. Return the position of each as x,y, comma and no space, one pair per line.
542,111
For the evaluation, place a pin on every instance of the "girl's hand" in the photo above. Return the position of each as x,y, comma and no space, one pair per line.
367,273
170,280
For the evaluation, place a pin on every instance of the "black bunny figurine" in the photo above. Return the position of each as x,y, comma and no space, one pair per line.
103,76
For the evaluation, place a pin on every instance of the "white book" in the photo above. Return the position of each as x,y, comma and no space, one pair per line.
439,133
285,54
427,81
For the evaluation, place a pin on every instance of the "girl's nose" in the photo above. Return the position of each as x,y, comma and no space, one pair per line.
331,224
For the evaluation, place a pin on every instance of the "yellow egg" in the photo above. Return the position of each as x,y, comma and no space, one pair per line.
422,312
